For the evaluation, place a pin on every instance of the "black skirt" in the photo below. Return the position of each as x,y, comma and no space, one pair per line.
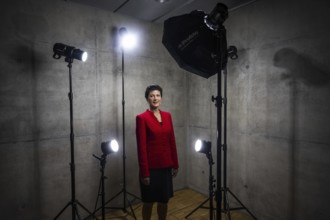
160,188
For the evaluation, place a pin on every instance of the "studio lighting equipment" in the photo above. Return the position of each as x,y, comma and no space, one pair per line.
127,40
217,16
198,43
203,146
68,52
109,147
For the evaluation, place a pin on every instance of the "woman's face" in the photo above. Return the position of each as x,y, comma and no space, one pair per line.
154,99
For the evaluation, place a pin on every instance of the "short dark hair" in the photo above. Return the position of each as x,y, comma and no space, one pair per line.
152,88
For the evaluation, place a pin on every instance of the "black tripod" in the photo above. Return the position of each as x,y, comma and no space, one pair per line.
221,61
225,189
124,191
101,191
73,202
211,191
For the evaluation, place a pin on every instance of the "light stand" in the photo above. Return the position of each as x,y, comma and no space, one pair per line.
211,187
107,147
73,202
124,191
101,191
219,43
198,43
221,61
225,189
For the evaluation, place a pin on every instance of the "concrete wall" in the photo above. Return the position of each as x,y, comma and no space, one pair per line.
34,119
278,89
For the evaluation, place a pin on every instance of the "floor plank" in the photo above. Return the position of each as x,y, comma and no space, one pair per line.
183,203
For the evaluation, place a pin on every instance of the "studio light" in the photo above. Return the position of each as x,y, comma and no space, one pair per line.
197,41
68,52
217,16
109,147
127,40
203,146
124,40
71,53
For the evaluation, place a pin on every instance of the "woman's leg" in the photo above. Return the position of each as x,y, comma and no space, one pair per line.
146,211
162,211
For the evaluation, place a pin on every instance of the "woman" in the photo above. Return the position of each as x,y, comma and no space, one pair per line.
157,154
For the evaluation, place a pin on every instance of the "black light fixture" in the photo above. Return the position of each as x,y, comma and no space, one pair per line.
203,146
197,41
109,147
217,16
68,52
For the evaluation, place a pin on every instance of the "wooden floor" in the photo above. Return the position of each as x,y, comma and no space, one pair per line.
183,203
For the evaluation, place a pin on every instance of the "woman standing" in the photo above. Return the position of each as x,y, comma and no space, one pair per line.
157,154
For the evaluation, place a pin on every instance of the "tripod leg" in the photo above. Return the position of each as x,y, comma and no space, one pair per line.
98,194
132,210
76,210
97,200
90,214
114,197
135,197
197,208
226,204
69,203
243,207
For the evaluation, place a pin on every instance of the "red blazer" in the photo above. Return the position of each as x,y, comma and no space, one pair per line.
155,142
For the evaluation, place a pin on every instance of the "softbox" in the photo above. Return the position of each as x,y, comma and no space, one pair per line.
194,46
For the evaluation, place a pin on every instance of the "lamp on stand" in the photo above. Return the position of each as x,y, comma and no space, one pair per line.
198,43
70,53
205,147
107,147
126,40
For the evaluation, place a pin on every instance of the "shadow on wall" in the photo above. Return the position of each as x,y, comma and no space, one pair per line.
301,68
19,134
